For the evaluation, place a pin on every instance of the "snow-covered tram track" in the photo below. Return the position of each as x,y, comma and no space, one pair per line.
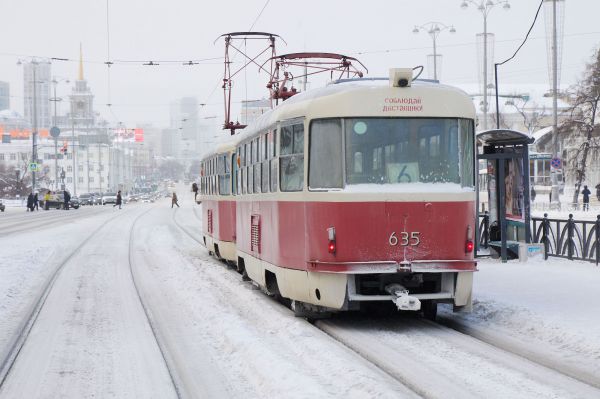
142,296
43,221
10,354
323,351
435,360
521,348
88,336
439,362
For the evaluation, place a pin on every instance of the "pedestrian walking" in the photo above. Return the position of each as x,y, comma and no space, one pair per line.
174,200
195,190
67,198
598,191
30,202
46,200
533,194
119,200
36,202
586,198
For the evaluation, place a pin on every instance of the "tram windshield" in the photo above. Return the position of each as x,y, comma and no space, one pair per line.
393,150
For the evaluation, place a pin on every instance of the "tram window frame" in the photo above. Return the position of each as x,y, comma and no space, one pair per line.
293,156
234,174
224,175
250,169
257,177
328,146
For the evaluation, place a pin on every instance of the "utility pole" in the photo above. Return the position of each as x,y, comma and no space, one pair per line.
75,174
555,144
87,150
34,64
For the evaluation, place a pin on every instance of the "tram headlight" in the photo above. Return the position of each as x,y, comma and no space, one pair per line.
401,77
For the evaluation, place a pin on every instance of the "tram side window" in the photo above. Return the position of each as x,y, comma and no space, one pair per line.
265,164
273,161
257,172
224,176
291,159
467,161
325,163
250,170
234,175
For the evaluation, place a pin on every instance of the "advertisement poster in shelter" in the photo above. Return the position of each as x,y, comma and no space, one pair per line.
514,188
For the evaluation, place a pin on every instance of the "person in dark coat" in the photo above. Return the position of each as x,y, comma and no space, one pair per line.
67,198
36,202
533,194
586,198
195,190
30,202
119,200
598,191
174,200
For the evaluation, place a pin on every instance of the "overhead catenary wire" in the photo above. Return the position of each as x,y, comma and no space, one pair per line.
537,13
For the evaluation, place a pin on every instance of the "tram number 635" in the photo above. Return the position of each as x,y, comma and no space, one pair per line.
406,239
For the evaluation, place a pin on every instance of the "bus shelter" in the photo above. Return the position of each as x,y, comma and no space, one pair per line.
506,155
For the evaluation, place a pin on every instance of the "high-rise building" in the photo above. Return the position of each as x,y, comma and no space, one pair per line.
36,80
4,95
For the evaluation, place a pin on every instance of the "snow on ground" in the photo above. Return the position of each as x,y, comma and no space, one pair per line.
224,338
91,338
221,321
28,258
590,215
551,306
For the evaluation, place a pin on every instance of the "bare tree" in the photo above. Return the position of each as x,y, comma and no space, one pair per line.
584,98
532,120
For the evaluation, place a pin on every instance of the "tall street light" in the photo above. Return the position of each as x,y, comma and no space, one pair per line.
55,131
434,29
485,7
554,15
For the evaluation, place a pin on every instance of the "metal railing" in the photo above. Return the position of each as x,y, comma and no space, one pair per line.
569,239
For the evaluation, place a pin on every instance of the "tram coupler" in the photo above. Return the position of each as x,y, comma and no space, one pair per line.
401,298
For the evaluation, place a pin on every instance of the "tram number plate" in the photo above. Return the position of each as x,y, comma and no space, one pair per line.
405,238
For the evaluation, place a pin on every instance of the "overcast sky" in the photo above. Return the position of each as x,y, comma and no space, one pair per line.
378,32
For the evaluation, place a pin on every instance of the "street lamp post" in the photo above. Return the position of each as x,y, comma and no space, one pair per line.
485,7
54,131
434,29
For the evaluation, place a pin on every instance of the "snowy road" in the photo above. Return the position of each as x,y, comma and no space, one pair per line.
197,330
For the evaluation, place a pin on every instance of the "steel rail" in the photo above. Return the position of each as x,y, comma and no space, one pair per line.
20,337
163,351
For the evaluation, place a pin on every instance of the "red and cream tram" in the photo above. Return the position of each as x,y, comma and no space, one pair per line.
355,192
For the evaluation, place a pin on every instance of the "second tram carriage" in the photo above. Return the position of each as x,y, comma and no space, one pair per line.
351,193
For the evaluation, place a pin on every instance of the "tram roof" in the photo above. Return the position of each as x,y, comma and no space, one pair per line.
367,98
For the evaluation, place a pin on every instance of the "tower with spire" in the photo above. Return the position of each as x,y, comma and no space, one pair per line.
82,99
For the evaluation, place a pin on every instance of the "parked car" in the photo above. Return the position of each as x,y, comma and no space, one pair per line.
74,202
2,206
133,198
97,198
109,198
146,198
86,199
